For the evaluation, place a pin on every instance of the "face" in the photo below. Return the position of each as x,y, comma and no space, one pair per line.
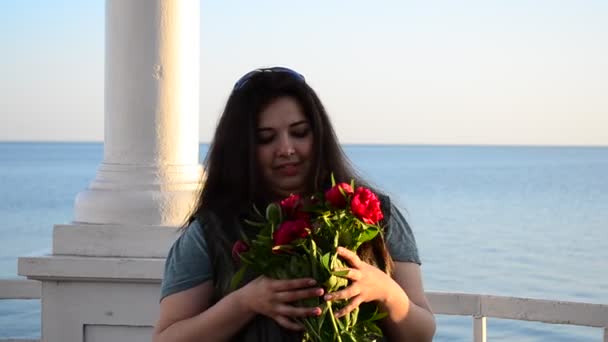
284,146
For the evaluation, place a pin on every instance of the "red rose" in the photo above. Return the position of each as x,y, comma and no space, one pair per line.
289,231
337,198
291,206
239,248
366,206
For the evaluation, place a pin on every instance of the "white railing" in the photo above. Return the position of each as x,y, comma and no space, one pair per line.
19,289
479,307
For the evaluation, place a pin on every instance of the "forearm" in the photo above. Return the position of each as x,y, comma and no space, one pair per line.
406,321
219,322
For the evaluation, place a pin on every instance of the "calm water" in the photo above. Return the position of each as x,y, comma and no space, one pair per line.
513,221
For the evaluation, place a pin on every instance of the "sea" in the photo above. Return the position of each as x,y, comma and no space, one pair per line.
508,221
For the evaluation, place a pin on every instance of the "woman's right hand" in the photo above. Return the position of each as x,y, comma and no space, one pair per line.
273,298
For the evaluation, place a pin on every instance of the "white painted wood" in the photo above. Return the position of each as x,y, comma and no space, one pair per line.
60,322
455,303
479,329
539,310
92,268
556,312
131,305
19,289
68,307
150,172
113,240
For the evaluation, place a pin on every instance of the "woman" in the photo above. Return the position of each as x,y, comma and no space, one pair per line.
274,138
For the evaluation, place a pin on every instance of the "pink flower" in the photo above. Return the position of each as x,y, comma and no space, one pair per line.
366,206
291,206
289,231
239,248
337,197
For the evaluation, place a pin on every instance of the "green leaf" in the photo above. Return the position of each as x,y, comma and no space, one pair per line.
321,317
342,274
354,316
325,261
340,325
336,239
333,180
348,337
313,248
331,283
347,320
346,239
375,330
257,211
334,283
378,316
314,267
367,235
255,224
237,278
326,221
273,213
369,312
310,328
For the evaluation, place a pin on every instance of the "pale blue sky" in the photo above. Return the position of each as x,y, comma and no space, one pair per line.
421,72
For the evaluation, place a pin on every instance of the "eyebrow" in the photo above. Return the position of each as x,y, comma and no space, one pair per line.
297,123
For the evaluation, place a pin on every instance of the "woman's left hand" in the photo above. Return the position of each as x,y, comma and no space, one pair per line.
368,283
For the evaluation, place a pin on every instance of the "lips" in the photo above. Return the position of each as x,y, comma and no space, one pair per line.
288,169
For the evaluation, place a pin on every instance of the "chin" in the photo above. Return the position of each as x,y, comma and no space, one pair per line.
285,189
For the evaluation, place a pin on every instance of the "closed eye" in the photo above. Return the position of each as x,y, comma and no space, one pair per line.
301,132
264,137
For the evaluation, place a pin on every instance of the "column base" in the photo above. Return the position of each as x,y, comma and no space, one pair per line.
108,240
96,299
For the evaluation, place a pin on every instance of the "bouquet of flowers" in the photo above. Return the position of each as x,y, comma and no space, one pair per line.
298,237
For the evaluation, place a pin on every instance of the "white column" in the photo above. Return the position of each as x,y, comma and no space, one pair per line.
150,172
479,329
102,281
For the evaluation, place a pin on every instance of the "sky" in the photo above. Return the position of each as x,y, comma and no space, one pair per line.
515,72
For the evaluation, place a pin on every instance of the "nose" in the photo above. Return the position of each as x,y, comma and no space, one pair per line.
285,147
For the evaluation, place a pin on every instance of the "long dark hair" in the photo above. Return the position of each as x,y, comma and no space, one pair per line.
233,182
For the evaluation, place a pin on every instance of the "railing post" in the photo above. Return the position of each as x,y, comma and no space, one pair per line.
605,334
479,329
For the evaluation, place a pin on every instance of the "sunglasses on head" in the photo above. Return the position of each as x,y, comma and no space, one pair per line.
248,76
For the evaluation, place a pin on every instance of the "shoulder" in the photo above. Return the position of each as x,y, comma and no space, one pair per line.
195,232
188,263
192,232
399,236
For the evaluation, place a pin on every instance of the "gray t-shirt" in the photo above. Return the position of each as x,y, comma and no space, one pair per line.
188,263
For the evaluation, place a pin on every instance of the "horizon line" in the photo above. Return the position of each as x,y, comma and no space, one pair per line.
367,144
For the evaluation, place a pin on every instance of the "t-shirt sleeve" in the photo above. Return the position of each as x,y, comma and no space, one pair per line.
400,239
187,263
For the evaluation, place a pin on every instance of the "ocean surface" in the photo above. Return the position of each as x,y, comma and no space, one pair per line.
509,221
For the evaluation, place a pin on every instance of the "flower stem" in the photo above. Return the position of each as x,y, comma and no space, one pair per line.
333,321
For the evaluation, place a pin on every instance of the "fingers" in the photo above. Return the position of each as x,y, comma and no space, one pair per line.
347,293
354,303
353,273
292,296
351,257
291,284
287,323
286,311
296,311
